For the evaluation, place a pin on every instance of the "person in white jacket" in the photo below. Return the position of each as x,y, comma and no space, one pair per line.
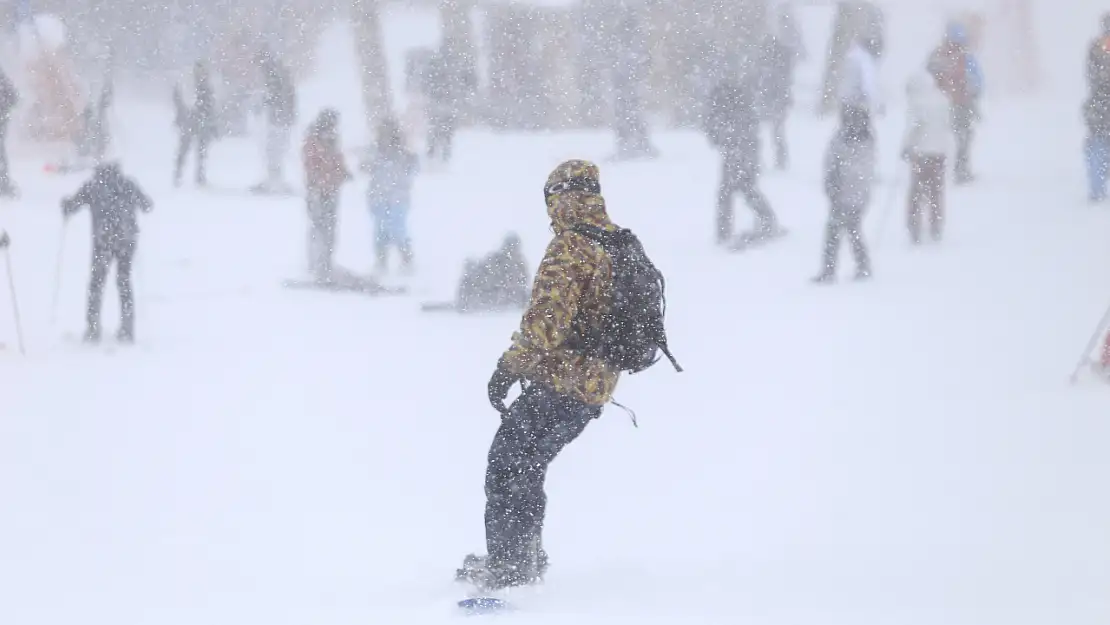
926,146
859,84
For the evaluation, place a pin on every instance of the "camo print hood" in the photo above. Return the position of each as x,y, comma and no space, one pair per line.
573,195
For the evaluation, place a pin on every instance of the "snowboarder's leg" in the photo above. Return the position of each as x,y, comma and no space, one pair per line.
382,242
317,235
916,196
1098,162
123,258
6,187
101,257
329,214
962,122
854,225
765,216
541,423
934,194
778,130
202,158
832,248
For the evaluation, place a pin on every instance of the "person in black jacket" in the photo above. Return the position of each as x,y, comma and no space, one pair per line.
280,103
9,97
732,125
113,199
195,125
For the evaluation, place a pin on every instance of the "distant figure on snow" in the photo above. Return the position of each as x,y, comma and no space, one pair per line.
280,103
392,171
495,283
9,97
926,146
114,200
849,175
195,124
324,172
961,79
1096,114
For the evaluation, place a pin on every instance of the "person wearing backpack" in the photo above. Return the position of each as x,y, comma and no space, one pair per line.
567,356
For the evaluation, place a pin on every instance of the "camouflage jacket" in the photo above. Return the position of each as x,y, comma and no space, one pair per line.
572,287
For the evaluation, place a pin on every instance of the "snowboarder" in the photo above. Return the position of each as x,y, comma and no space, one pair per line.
392,171
564,388
9,97
732,125
961,79
925,146
113,199
495,283
324,172
195,125
849,174
776,87
280,103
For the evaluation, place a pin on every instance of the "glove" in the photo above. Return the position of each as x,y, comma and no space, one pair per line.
5,240
498,388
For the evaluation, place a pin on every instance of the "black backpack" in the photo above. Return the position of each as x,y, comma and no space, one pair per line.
631,333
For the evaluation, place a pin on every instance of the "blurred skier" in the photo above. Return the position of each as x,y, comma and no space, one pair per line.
565,358
849,175
925,146
392,171
443,90
497,282
195,124
324,172
113,200
629,76
776,91
9,98
95,136
961,79
732,126
280,103
1096,114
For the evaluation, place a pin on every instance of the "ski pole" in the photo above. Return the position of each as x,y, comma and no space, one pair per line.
15,303
58,275
1085,357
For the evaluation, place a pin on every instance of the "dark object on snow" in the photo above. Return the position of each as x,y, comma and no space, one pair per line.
475,606
495,283
195,125
113,200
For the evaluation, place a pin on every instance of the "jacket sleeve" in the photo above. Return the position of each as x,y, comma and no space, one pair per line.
81,198
832,173
556,293
140,199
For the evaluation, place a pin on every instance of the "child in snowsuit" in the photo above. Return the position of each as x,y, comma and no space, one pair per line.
324,172
497,282
732,125
194,125
113,199
392,170
926,145
961,79
849,174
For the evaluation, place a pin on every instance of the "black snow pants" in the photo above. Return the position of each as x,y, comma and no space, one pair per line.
539,425
740,176
323,218
845,219
103,255
187,139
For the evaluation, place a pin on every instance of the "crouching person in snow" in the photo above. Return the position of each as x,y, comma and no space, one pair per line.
497,282
392,171
324,172
926,145
113,199
565,387
849,174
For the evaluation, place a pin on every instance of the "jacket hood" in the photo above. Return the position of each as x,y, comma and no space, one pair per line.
573,196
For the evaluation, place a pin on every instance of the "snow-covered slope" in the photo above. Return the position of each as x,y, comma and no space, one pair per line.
905,451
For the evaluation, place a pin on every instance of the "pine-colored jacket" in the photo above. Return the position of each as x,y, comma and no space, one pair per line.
573,285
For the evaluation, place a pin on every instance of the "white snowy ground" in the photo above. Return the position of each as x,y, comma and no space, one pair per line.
900,452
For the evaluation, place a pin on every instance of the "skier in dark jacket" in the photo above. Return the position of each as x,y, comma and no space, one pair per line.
9,97
280,103
495,283
113,199
195,125
732,125
849,175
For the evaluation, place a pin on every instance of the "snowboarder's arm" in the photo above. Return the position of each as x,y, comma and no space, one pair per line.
141,199
75,202
556,292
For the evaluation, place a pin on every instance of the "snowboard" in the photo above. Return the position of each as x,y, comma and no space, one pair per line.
478,606
346,283
750,240
438,307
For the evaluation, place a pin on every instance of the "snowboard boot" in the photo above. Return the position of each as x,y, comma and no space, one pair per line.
92,335
487,576
125,335
863,274
825,277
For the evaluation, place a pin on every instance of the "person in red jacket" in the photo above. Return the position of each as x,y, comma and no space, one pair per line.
324,172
